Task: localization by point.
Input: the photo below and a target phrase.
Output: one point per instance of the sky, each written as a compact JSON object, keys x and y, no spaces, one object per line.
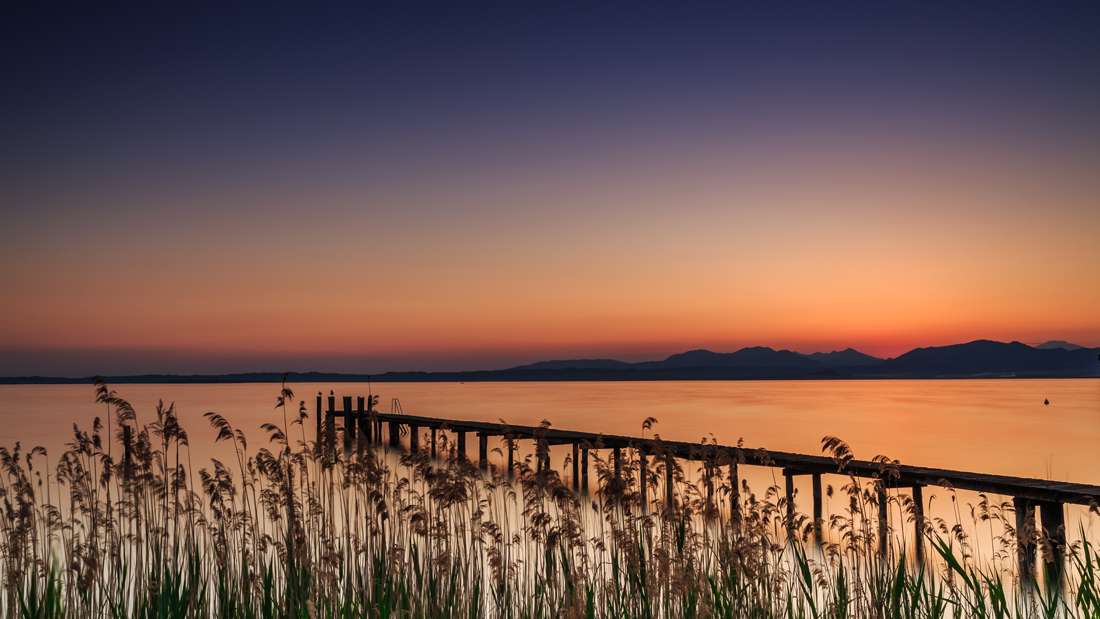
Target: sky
{"x":195,"y":188}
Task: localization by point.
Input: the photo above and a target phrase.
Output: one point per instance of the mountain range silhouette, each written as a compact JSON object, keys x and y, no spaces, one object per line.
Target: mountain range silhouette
{"x":977,"y":359}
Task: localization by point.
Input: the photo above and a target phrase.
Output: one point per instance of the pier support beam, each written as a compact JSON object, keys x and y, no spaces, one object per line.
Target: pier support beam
{"x":584,"y":470}
{"x":1053,"y":518}
{"x":643,"y":481}
{"x":483,"y":452}
{"x":349,"y":425}
{"x":414,"y":438}
{"x":735,"y":497}
{"x":461,"y":436}
{"x":818,"y":523}
{"x":708,"y":477}
{"x":670,"y":465}
{"x":433,"y":443}
{"x":882,"y":520}
{"x":363,"y":423}
{"x":1025,"y":538}
{"x":128,"y":458}
{"x":576,"y":467}
{"x":618,"y":455}
{"x":320,"y":419}
{"x":395,"y":434}
{"x":790,"y":500}
{"x":511,"y":457}
{"x":330,"y":424}
{"x":918,"y":523}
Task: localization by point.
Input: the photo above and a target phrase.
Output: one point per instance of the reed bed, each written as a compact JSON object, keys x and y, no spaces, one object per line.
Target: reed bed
{"x":291,"y":528}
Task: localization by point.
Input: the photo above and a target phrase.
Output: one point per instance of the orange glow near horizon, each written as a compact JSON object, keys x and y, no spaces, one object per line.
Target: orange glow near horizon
{"x":824,"y":269}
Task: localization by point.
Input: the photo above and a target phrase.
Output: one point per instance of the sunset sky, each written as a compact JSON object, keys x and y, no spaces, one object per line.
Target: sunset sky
{"x":204,"y":190}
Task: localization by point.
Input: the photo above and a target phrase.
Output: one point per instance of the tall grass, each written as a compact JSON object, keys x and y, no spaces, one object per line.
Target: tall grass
{"x":291,"y":528}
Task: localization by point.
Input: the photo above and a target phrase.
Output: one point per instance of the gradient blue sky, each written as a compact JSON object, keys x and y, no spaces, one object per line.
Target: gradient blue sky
{"x":196,"y":188}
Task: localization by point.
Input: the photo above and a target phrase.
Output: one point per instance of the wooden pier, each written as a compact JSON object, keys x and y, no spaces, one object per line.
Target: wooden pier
{"x":1031,"y":497}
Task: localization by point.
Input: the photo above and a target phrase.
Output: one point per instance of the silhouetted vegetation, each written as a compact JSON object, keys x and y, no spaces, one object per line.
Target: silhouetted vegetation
{"x":122,"y":525}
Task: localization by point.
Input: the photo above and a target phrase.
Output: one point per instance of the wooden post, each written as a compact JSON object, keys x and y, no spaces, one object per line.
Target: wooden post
{"x":709,"y":481}
{"x":790,"y":500}
{"x":1025,"y":539}
{"x":320,"y":418}
{"x":1053,"y":518}
{"x":670,"y":465}
{"x":539,"y":458}
{"x":395,"y":434}
{"x":918,"y":523}
{"x":362,"y":422}
{"x":618,"y":463}
{"x":584,"y":470}
{"x":128,"y":462}
{"x":461,"y":446}
{"x":643,"y":473}
{"x":349,"y":425}
{"x":414,"y":438}
{"x":882,"y":520}
{"x":330,"y":423}
{"x":576,"y":467}
{"x":511,"y":457}
{"x":735,"y":497}
{"x":818,"y":537}
{"x":483,"y":452}
{"x":433,"y":443}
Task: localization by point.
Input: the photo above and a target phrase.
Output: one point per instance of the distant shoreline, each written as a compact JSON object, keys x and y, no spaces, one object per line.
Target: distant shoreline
{"x":980,"y":359}
{"x":448,"y":377}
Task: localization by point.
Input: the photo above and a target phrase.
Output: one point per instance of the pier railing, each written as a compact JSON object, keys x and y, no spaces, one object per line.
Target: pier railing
{"x":1036,"y":502}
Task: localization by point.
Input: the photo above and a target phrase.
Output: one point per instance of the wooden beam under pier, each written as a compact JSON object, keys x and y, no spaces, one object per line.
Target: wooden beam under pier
{"x":483,"y":452}
{"x":362,"y":421}
{"x":735,"y":497}
{"x":349,"y":425}
{"x":1052,"y":516}
{"x":883,"y":522}
{"x":818,"y":523}
{"x":576,"y":467}
{"x":918,"y":523}
{"x":330,"y":423}
{"x":511,"y":457}
{"x":1025,"y":537}
{"x":584,"y":470}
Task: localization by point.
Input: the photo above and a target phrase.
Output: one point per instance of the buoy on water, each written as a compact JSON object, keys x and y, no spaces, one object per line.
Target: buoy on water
{"x":1046,"y":401}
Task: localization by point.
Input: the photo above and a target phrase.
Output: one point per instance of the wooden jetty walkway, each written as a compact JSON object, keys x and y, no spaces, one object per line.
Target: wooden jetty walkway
{"x":1034,"y":500}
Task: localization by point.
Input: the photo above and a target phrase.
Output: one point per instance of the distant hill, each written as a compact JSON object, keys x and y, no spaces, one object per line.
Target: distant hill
{"x":580,"y":364}
{"x":1058,"y":344}
{"x":755,"y":357}
{"x":977,"y":359}
{"x":985,"y":357}
{"x":848,"y":357}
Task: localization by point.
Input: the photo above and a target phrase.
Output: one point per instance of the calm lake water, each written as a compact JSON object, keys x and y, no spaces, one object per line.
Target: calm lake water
{"x":990,"y":426}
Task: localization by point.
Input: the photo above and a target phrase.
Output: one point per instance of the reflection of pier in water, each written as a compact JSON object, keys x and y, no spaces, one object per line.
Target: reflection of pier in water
{"x":1031,"y":498}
